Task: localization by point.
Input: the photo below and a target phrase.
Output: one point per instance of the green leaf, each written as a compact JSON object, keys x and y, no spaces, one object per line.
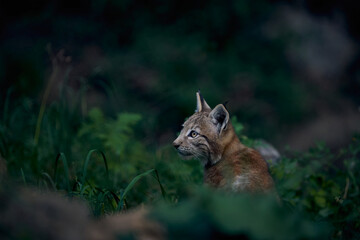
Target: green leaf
{"x":320,"y":201}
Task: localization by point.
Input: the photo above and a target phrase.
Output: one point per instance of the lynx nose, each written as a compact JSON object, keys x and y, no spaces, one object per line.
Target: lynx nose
{"x":176,"y":144}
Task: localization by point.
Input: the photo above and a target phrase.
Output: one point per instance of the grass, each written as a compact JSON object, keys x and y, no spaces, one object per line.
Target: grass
{"x":66,"y":169}
{"x":87,"y":160}
{"x":316,"y":187}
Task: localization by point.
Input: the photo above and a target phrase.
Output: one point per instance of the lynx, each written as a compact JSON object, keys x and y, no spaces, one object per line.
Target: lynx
{"x":209,"y":136}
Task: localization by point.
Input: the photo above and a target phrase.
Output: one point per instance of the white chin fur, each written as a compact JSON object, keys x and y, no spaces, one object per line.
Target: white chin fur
{"x":185,"y":155}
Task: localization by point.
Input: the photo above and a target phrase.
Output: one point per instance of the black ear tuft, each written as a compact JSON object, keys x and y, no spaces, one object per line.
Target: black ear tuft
{"x":201,"y":104}
{"x":225,"y":103}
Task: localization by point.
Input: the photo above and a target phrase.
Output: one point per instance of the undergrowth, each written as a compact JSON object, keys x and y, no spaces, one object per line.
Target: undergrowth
{"x":107,"y":162}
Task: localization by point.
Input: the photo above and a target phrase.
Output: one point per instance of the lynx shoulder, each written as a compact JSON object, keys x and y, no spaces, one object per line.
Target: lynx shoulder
{"x":209,"y":136}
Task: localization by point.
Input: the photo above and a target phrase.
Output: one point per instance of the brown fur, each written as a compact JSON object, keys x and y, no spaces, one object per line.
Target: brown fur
{"x":228,"y":164}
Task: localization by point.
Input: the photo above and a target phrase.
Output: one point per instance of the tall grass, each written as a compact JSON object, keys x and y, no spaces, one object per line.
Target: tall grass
{"x":104,"y":161}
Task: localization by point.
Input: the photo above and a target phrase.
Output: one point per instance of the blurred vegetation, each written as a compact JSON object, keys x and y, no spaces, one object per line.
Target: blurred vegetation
{"x":108,"y":121}
{"x":318,"y":189}
{"x":151,"y":58}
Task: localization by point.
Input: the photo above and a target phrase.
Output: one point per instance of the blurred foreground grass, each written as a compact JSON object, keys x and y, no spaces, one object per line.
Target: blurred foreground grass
{"x":108,"y":163}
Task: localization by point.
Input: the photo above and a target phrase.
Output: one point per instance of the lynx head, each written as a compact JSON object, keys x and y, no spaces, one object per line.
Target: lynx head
{"x":204,"y":133}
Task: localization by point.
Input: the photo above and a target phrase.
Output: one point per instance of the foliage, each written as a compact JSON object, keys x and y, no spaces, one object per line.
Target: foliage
{"x":210,"y":214}
{"x":99,"y":176}
{"x":324,"y":185}
{"x":318,"y":189}
{"x":97,"y":136}
{"x":320,"y":183}
{"x":117,"y":136}
{"x":154,"y":63}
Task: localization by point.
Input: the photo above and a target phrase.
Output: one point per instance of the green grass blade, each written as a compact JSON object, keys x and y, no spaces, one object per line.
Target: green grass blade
{"x":23,"y":176}
{"x":116,"y":198}
{"x":106,"y":195}
{"x":86,"y":163}
{"x":84,"y":189}
{"x":6,"y":105}
{"x":47,"y":176}
{"x":131,"y":185}
{"x":66,"y":169}
{"x":163,"y":193}
{"x":45,"y":185}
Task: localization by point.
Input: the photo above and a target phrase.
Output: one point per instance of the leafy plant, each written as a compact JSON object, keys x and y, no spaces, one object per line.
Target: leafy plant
{"x":116,"y":135}
{"x":324,"y":185}
{"x":319,"y":189}
{"x":210,"y":214}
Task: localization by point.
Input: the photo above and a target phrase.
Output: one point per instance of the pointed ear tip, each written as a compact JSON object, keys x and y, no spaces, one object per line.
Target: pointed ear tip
{"x":224,"y":106}
{"x":221,"y":106}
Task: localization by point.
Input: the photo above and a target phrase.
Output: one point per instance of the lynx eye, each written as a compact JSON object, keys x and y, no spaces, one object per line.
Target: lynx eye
{"x":193,"y":134}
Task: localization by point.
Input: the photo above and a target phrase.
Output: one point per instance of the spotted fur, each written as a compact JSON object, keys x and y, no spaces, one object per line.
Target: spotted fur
{"x":209,"y":136}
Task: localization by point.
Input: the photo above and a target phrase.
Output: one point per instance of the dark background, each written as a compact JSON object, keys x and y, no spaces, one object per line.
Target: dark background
{"x":92,"y":94}
{"x":290,"y":69}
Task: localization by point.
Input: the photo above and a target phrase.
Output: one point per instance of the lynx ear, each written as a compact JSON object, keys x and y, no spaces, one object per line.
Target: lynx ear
{"x":201,"y":103}
{"x":220,"y":117}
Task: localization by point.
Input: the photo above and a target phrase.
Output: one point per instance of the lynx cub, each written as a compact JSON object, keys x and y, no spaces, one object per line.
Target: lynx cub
{"x":209,"y":136}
